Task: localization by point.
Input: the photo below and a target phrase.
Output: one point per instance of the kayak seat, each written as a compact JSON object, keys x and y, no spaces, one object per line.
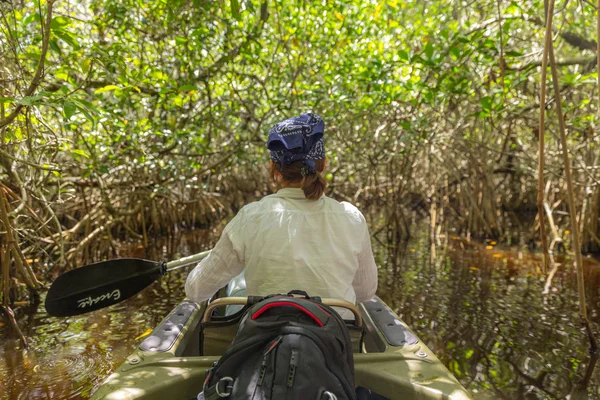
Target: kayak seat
{"x":217,"y":334}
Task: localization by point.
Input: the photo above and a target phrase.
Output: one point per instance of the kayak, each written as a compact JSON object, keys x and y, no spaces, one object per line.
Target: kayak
{"x":390,"y":360}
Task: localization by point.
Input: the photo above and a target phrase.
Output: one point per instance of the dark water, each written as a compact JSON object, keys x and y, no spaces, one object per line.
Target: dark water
{"x":479,"y":307}
{"x":69,"y":357}
{"x":482,"y":310}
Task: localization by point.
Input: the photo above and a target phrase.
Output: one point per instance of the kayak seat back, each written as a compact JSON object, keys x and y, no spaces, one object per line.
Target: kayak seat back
{"x":218,"y":331}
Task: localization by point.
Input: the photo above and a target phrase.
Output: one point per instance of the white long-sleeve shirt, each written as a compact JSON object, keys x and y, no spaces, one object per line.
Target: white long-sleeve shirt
{"x":287,"y":242}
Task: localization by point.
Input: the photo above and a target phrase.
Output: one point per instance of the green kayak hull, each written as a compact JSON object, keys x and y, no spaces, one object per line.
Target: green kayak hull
{"x":169,"y":363}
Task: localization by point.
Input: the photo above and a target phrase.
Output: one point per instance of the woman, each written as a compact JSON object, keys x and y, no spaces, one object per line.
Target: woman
{"x":297,"y":238}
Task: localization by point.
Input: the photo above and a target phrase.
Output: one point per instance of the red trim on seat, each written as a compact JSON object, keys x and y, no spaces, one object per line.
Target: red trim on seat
{"x":286,"y":304}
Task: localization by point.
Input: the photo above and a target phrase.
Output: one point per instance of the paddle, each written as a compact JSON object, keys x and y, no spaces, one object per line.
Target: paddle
{"x":103,"y":284}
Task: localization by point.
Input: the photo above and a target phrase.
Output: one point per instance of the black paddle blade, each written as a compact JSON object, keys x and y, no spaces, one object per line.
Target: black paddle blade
{"x":100,"y":285}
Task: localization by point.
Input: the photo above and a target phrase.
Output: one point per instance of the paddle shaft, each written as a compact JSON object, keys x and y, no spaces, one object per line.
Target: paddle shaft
{"x":185,"y":261}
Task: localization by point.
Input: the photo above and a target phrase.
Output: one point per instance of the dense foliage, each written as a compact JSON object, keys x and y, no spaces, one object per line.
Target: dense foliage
{"x":157,"y":111}
{"x":124,"y":119}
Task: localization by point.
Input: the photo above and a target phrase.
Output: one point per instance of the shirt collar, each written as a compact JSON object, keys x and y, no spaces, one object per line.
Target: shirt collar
{"x":291,"y":193}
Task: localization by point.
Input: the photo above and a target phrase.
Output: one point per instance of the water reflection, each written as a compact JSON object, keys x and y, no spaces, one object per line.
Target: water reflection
{"x":482,"y":311}
{"x":69,"y":357}
{"x":479,"y":307}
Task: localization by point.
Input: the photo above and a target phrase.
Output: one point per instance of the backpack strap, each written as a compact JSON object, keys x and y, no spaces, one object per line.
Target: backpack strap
{"x":328,"y":396}
{"x":300,"y":292}
{"x":306,"y":296}
{"x":252,"y":300}
{"x":220,"y":390}
{"x":313,"y":310}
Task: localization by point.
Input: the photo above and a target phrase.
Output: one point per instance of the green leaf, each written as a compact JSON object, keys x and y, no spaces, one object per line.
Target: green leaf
{"x":178,"y":101}
{"x":59,"y":22}
{"x":67,"y":38}
{"x":429,"y":50}
{"x":62,"y":75}
{"x":405,"y":125}
{"x":69,"y":109}
{"x":54,"y":45}
{"x":130,"y":88}
{"x":513,"y":8}
{"x":29,"y":19}
{"x":86,"y":104}
{"x":235,"y":9}
{"x":85,"y":64}
{"x":159,"y":75}
{"x":108,"y":88}
{"x":29,"y":100}
{"x":6,"y":100}
{"x":513,"y":53}
{"x":80,"y":152}
{"x":86,"y":113}
{"x":187,"y":88}
{"x":86,"y":108}
{"x":455,"y":368}
{"x":455,"y":51}
{"x":486,"y":103}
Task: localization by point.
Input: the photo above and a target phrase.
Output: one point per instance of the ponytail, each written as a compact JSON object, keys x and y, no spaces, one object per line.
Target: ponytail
{"x":313,"y":185}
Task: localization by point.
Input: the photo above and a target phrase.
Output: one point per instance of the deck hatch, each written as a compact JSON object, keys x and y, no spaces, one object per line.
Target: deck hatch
{"x":394,"y":330}
{"x":163,"y":337}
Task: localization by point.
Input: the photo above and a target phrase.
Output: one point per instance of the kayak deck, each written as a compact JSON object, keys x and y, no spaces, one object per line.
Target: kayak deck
{"x":170,"y":363}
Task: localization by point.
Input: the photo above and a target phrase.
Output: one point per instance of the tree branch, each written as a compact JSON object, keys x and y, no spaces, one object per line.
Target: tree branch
{"x":572,"y":205}
{"x":563,"y":63}
{"x":41,"y":167}
{"x":40,"y":68}
{"x":540,"y":192}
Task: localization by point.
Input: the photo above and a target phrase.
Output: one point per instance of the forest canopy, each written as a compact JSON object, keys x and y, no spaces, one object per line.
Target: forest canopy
{"x":123,"y":119}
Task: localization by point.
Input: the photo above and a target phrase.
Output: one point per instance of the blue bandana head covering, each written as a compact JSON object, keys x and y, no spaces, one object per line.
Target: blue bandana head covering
{"x":298,"y":139}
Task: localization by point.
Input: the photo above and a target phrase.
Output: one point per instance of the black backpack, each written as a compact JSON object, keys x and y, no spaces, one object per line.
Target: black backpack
{"x":285,"y":348}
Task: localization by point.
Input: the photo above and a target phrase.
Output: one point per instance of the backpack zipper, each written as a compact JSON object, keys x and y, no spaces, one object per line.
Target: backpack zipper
{"x":292,"y":369}
{"x":263,"y":366}
{"x":263,"y":371}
